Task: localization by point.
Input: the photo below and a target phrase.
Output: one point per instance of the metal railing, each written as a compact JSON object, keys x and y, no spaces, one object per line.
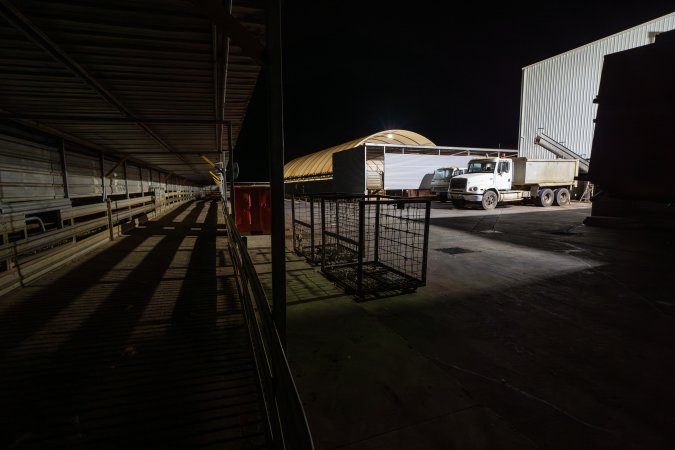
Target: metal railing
{"x":79,"y":230}
{"x":287,"y":423}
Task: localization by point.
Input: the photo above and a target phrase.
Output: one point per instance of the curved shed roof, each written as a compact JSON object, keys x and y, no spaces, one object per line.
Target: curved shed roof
{"x":321,"y":163}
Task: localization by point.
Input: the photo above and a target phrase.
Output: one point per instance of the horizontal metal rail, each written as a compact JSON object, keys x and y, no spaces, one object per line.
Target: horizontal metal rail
{"x":25,"y":259}
{"x":288,"y":427}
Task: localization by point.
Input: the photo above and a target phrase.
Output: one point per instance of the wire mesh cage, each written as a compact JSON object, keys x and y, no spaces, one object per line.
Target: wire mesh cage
{"x":306,"y":226}
{"x":374,"y":246}
{"x":306,"y":222}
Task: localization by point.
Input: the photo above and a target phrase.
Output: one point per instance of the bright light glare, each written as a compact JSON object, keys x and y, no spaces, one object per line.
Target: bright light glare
{"x":390,"y":136}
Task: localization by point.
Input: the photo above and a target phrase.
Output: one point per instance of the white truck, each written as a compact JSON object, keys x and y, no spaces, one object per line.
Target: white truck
{"x":440,"y":183}
{"x":489,"y":181}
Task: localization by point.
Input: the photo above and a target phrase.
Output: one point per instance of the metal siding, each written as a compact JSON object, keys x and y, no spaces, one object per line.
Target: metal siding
{"x":557,"y":93}
{"x":84,"y":175}
{"x":133,"y":179}
{"x":114,"y":183}
{"x":29,"y":171}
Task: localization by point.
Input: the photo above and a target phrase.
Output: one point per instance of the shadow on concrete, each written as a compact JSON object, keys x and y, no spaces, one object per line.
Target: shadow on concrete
{"x":569,"y":361}
{"x":30,"y":315}
{"x":163,"y":361}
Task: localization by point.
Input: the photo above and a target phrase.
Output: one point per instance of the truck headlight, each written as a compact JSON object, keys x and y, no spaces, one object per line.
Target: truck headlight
{"x":475,"y":188}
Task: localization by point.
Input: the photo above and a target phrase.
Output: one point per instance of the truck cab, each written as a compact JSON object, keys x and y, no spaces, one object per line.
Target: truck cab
{"x":492,"y":180}
{"x":440,"y":183}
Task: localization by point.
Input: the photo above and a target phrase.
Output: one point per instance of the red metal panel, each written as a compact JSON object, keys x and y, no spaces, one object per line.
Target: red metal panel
{"x":252,"y":209}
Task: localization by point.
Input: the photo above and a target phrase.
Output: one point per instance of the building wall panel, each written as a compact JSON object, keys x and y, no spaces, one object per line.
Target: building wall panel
{"x":29,"y":171}
{"x":557,"y":94}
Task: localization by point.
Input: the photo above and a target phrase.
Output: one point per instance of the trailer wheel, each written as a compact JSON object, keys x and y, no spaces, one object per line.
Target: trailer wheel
{"x":545,"y":198}
{"x":443,"y":197}
{"x":561,"y":197}
{"x":490,"y":200}
{"x":459,"y":203}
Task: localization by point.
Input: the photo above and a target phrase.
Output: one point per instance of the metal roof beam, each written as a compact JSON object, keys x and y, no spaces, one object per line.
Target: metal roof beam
{"x":104,"y":119}
{"x":35,"y":35}
{"x":241,"y":37}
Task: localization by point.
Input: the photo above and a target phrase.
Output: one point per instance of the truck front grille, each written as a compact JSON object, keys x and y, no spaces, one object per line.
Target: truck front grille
{"x":458,"y":183}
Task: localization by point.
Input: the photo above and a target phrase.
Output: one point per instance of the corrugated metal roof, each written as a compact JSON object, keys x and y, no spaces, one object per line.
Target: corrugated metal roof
{"x":159,"y":59}
{"x":320,"y":164}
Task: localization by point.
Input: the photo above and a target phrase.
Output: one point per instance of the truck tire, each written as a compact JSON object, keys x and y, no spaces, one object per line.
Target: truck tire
{"x":443,"y":197}
{"x":545,"y":198}
{"x":561,"y":197}
{"x":459,"y":203}
{"x":490,"y":199}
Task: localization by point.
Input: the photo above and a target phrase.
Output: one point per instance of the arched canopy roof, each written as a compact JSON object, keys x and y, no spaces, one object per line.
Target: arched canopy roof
{"x":321,"y":163}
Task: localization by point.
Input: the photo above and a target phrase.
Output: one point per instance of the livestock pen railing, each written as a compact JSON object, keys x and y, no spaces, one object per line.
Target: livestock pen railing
{"x":287,"y":423}
{"x":37,"y":236}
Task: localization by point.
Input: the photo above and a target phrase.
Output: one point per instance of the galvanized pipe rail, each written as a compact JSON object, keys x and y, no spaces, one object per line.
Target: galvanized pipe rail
{"x":82,"y":228}
{"x":288,"y":427}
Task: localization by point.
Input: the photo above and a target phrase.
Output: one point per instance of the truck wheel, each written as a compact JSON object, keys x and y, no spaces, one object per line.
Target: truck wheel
{"x":545,"y":198}
{"x":561,"y":197}
{"x":459,"y":203}
{"x":443,"y":197}
{"x":490,"y":200}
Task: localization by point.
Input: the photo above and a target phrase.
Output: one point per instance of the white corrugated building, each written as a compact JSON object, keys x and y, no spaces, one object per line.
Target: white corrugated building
{"x":557,"y":93}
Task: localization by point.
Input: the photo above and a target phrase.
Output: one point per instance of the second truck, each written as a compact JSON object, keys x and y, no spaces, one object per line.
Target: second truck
{"x":440,"y":183}
{"x":489,"y":181}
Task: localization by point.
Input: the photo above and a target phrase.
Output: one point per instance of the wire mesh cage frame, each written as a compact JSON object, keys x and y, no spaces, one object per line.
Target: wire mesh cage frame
{"x":353,"y":259}
{"x":310,"y":223}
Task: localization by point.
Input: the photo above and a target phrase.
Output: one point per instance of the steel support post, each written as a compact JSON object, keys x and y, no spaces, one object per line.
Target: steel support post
{"x":425,"y":250}
{"x":64,"y":170}
{"x":230,"y":163}
{"x":276,"y":151}
{"x":293,"y":239}
{"x":311,"y":226}
{"x":323,"y":234}
{"x":377,"y":229}
{"x":140,"y":178}
{"x":103,"y":193}
{"x":110,"y":220}
{"x":126,"y":180}
{"x":359,"y":265}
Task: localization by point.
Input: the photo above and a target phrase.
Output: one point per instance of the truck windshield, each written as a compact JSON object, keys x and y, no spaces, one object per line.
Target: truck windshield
{"x":481,"y":166}
{"x":441,"y":174}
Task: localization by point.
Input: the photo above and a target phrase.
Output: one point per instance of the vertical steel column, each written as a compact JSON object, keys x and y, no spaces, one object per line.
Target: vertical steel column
{"x":140,"y":178}
{"x":276,"y":150}
{"x":377,"y":229}
{"x":126,"y":179}
{"x":230,"y":163}
{"x":64,"y":169}
{"x":293,"y":224}
{"x":323,"y":233}
{"x":311,"y":226}
{"x":359,"y":266}
{"x":337,"y":222}
{"x":427,"y":215}
{"x":103,"y":194}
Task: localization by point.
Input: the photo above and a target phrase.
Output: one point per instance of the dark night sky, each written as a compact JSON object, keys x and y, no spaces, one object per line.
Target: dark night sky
{"x":352,"y":68}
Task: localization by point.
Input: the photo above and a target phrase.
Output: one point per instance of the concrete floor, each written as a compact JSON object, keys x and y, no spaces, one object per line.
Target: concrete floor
{"x":141,"y":344}
{"x":538,"y":332}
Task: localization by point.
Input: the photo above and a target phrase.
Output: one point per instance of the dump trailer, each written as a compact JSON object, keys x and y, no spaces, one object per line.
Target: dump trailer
{"x":440,"y":183}
{"x":489,"y":181}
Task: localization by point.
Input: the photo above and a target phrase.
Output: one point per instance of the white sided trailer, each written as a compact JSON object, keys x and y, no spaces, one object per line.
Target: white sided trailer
{"x":398,"y":169}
